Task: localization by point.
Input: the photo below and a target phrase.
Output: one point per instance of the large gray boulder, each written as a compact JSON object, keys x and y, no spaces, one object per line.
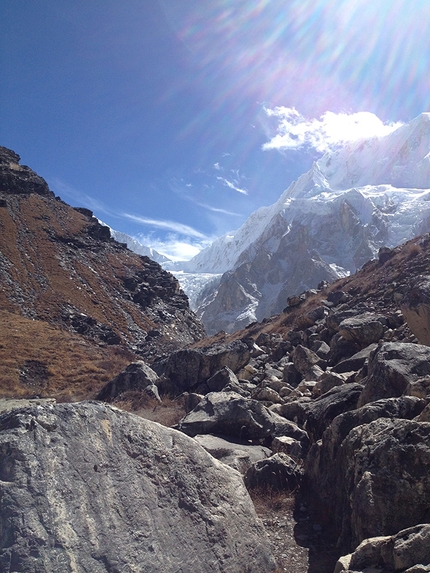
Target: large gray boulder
{"x":137,"y":377}
{"x":185,"y":369}
{"x":322,"y":410}
{"x":229,"y":414}
{"x":376,"y":481}
{"x":416,"y":309}
{"x":408,"y":550}
{"x":88,"y":488}
{"x":280,"y":472}
{"x":393,"y":366}
{"x":363,"y":329}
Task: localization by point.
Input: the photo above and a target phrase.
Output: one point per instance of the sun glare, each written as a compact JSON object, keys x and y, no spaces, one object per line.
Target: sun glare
{"x":320,"y":53}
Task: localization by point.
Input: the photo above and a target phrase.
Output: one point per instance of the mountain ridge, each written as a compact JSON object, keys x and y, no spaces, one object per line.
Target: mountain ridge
{"x":368,"y":194}
{"x":63,"y":275}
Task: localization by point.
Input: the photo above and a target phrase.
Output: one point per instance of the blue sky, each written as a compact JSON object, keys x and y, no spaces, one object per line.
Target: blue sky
{"x":174,"y":120}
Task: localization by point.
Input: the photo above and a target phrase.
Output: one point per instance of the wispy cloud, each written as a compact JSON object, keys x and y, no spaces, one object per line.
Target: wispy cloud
{"x":218,"y":210}
{"x":173,"y":226}
{"x":79,"y":198}
{"x":231,"y":185}
{"x":294,"y":131}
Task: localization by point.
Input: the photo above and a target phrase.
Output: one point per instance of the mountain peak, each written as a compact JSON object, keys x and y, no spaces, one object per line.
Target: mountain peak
{"x":16,"y":178}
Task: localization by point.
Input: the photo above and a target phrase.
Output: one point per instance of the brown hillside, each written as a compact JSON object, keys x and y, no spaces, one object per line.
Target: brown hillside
{"x":75,"y":304}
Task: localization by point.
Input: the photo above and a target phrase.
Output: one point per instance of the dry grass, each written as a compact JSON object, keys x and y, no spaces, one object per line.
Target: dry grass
{"x":267,"y":499}
{"x":38,"y":359}
{"x":168,"y":412}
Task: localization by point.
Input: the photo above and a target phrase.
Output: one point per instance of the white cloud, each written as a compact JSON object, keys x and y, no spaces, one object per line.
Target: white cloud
{"x":231,"y":185}
{"x":173,"y":247}
{"x":294,"y":131}
{"x":218,"y":210}
{"x":173,"y":226}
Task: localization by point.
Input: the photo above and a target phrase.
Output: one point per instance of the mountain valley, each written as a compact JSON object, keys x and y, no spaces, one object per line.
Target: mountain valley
{"x":131,"y":441}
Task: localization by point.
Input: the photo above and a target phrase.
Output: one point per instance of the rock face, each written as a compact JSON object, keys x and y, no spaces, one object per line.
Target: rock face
{"x":416,"y":309}
{"x":59,"y":265}
{"x":88,"y":488}
{"x":392,"y":367}
{"x":16,"y":178}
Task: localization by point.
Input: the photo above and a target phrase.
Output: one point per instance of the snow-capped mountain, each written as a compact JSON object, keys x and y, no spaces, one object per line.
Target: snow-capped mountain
{"x":328,"y":223}
{"x":137,"y":247}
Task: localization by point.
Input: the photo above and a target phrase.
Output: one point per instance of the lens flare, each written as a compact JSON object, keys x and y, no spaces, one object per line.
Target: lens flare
{"x":316,"y":55}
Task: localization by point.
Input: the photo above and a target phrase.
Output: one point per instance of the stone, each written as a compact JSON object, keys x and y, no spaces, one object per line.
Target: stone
{"x":291,"y":375}
{"x":229,"y":414}
{"x":326,"y":382}
{"x":287,"y":445}
{"x":87,"y":487}
{"x":267,"y":394}
{"x":136,"y":377}
{"x":321,"y":349}
{"x":225,"y":380}
{"x":376,"y":481}
{"x":277,"y":473}
{"x":303,"y":359}
{"x":356,"y":361}
{"x":322,"y":410}
{"x":408,"y":551}
{"x":415,"y":307}
{"x":371,"y":553}
{"x":393,"y":366}
{"x":238,"y":456}
{"x":185,"y":369}
{"x":363,"y":329}
{"x":295,"y":410}
{"x":341,"y":349}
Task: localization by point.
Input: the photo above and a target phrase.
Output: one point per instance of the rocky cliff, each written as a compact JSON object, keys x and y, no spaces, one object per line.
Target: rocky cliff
{"x":62,"y":273}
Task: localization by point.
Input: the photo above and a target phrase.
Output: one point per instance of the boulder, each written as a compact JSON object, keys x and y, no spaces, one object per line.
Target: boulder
{"x":291,"y":375}
{"x":295,"y":410}
{"x":393,"y":366}
{"x":86,"y":487}
{"x":322,"y":410}
{"x":363,"y":329}
{"x":376,"y":481}
{"x":185,"y":369}
{"x":229,"y":414}
{"x":415,"y":307}
{"x":408,"y":550}
{"x":289,"y":446}
{"x":238,"y":456}
{"x":326,"y":382}
{"x":303,"y":359}
{"x":356,"y":361}
{"x":277,"y":473}
{"x":137,"y":376}
{"x":267,"y":394}
{"x":223,"y":380}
